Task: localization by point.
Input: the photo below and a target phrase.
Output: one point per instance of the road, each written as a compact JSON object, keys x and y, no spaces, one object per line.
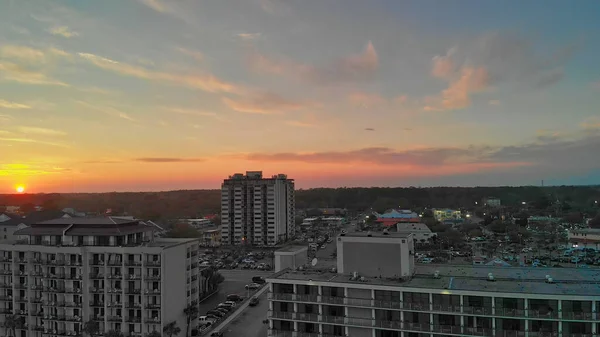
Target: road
{"x":235,"y":282}
{"x":250,"y":322}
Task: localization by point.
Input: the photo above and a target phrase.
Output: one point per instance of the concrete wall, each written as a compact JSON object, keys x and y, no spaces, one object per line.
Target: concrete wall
{"x":291,"y":259}
{"x":174,"y":291}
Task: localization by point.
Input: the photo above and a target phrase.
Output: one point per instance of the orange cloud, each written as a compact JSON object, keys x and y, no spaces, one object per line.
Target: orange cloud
{"x":458,"y":94}
{"x":353,"y":68}
{"x":265,"y":103}
{"x":444,"y":66}
{"x":207,"y":82}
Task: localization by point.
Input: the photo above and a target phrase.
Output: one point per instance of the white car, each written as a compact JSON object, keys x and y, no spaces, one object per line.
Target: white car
{"x":231,"y":303}
{"x":252,"y":286}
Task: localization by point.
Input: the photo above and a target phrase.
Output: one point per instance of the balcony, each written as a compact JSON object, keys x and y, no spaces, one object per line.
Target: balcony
{"x":133,"y":291}
{"x":115,"y":263}
{"x":132,"y":305}
{"x":152,"y":292}
{"x":73,"y":318}
{"x":98,"y":318}
{"x":21,"y":299}
{"x":73,"y":277}
{"x":5,"y":298}
{"x":54,"y":317}
{"x":133,"y":277}
{"x":97,"y":304}
{"x":2,"y":285}
{"x":477,"y":310}
{"x":96,"y":262}
{"x":5,"y":311}
{"x":115,"y":305}
{"x":36,"y":300}
{"x":54,"y":290}
{"x":115,"y":290}
{"x":133,"y":263}
{"x":72,"y":305}
{"x":152,"y":320}
{"x":510,"y":333}
{"x":153,"y":263}
{"x":152,"y":277}
{"x":115,"y":277}
{"x":6,"y":259}
{"x":37,"y":260}
{"x":152,"y":306}
{"x":74,"y":263}
{"x":115,"y":319}
{"x":54,"y":276}
{"x":73,"y":290}
{"x":6,"y":272}
{"x":133,"y":319}
{"x":96,"y":290}
{"x":96,"y":276}
{"x":55,"y":262}
{"x":53,"y":304}
{"x":578,"y":316}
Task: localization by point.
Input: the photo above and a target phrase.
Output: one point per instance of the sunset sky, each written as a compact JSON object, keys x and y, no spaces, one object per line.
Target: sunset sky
{"x":139,"y":95}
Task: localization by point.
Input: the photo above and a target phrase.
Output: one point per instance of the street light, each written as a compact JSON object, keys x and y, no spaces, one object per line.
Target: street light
{"x":523,"y":203}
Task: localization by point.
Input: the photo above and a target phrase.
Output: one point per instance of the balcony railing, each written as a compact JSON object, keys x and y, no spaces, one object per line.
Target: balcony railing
{"x":96,"y":262}
{"x":115,"y":263}
{"x":96,"y":304}
{"x":115,"y":318}
{"x":21,"y":285}
{"x":73,"y":304}
{"x":152,"y":292}
{"x":133,"y":277}
{"x":73,"y":290}
{"x":3,"y":285}
{"x":152,"y":320}
{"x":54,"y":289}
{"x":132,"y":305}
{"x":73,"y":277}
{"x":153,"y":263}
{"x":579,"y":316}
{"x":152,"y":277}
{"x":152,"y":306}
{"x":96,"y":290}
{"x":133,"y":263}
{"x":96,"y":275}
{"x":6,"y":259}
{"x":133,"y":319}
{"x":133,"y":291}
{"x":54,"y":276}
{"x":55,"y":262}
{"x":115,"y":276}
{"x":115,"y":305}
{"x":6,"y":272}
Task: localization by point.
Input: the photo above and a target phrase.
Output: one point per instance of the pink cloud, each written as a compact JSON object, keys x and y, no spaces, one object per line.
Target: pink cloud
{"x":265,"y":103}
{"x":444,"y":66}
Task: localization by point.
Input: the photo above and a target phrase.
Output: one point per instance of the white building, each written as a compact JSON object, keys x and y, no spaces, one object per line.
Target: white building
{"x":492,"y":202}
{"x":290,"y":257}
{"x":110,"y":270}
{"x":446,"y":214}
{"x":420,"y":231}
{"x":324,"y":220}
{"x":257,"y":210}
{"x":378,"y":293}
{"x":585,"y":238}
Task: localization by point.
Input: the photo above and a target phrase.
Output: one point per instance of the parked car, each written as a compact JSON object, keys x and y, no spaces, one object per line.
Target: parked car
{"x":217,"y":334}
{"x":231,"y":303}
{"x":253,"y":302}
{"x":252,"y":286}
{"x":225,"y":305}
{"x":234,"y":298}
{"x":223,"y":310}
{"x":205,"y":320}
{"x":215,"y":313}
{"x":259,"y":280}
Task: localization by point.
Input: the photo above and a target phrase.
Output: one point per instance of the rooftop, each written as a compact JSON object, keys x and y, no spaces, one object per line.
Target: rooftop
{"x":291,"y":249}
{"x":566,"y":281}
{"x":378,"y":234}
{"x":109,"y":220}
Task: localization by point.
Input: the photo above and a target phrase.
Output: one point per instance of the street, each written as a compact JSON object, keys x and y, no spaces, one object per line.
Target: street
{"x":235,"y":282}
{"x":250,"y":322}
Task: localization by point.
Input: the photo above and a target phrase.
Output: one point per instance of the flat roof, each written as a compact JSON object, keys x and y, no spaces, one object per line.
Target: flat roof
{"x":291,"y":249}
{"x":377,"y":234}
{"x":525,"y":280}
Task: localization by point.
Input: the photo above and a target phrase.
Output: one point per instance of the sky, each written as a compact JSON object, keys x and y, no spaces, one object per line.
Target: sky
{"x":143,"y":95}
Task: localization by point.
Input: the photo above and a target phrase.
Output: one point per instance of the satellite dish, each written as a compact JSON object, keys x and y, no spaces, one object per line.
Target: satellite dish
{"x":314,"y":262}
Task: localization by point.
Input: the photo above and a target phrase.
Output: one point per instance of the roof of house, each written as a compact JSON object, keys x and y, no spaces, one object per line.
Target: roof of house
{"x":394,"y":214}
{"x":40,"y":216}
{"x":12,"y":222}
{"x":86,"y":226}
{"x":108,"y":220}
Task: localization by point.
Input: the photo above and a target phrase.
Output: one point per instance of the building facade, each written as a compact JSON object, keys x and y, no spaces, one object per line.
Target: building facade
{"x":446,"y":214}
{"x":585,"y":238}
{"x":434,"y":300}
{"x":109,"y":270}
{"x":257,"y":210}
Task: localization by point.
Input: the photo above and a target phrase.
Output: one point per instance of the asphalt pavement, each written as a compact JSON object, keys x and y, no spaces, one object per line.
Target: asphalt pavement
{"x":235,"y":282}
{"x":249,"y":323}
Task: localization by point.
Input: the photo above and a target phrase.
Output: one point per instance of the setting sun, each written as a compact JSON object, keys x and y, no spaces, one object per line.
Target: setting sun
{"x":20,"y":189}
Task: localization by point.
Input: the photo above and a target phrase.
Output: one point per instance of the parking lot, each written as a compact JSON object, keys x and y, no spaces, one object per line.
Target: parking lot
{"x":250,"y":322}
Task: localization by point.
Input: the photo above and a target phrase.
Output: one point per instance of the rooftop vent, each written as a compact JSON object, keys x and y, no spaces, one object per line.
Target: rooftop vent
{"x":385,"y":232}
{"x":436,"y":274}
{"x":491,"y":277}
{"x":369,"y":233}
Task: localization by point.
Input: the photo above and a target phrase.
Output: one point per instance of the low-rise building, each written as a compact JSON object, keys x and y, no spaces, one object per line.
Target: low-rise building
{"x":392,"y":217}
{"x":377,"y":292}
{"x":421,"y":233}
{"x":491,"y":202}
{"x":211,"y":237}
{"x":585,"y":238}
{"x":322,"y":221}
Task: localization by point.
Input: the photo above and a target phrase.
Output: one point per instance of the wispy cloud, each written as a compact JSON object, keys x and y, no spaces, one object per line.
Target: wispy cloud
{"x":494,"y":102}
{"x":369,"y":129}
{"x":28,"y":170}
{"x":32,"y":55}
{"x":96,"y":90}
{"x":12,"y":105}
{"x":169,"y":160}
{"x":16,"y":73}
{"x":274,"y":7}
{"x":198,"y":56}
{"x":63,"y":31}
{"x":301,"y":124}
{"x":248,"y":36}
{"x":33,"y":141}
{"x":156,"y":5}
{"x":265,"y":103}
{"x":460,"y":88}
{"x":353,"y":68}
{"x":107,"y":110}
{"x":206,"y":82}
{"x":40,"y":131}
{"x":191,"y":112}
{"x":443,"y":65}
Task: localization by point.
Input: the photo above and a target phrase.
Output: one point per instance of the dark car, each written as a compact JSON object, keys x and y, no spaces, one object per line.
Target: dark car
{"x":215,"y":317}
{"x":234,"y":298}
{"x":253,"y":302}
{"x":217,"y":334}
{"x":215,"y":312}
{"x":259,"y":280}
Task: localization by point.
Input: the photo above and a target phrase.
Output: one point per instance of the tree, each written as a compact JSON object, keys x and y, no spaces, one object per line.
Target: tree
{"x":114,"y":333}
{"x":172,"y":329}
{"x":154,"y":334}
{"x":14,"y":322}
{"x":190,"y":312}
{"x":595,"y":222}
{"x":91,"y":328}
{"x":27,"y":208}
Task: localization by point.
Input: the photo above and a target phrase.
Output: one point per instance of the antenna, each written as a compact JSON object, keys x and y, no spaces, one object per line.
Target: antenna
{"x":314,"y":262}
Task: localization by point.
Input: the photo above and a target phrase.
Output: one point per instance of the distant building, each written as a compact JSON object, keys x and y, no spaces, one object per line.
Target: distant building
{"x":585,"y":238}
{"x":324,"y":221}
{"x":419,"y":230}
{"x":491,"y":202}
{"x":197,"y":223}
{"x":10,"y":223}
{"x":392,"y":217}
{"x":211,"y":237}
{"x":257,"y":210}
{"x":446,"y":214}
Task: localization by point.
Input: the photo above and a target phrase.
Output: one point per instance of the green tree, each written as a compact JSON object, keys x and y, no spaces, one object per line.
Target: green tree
{"x":114,"y":333}
{"x":190,"y":312}
{"x":27,"y":208}
{"x":172,"y":329}
{"x":91,"y":328}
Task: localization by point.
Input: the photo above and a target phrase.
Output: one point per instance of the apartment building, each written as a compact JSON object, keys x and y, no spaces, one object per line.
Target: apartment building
{"x":366,"y":299}
{"x":110,"y":270}
{"x":256,"y":210}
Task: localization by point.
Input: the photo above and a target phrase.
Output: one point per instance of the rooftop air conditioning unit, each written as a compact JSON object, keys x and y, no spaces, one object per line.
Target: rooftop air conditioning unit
{"x":436,"y":274}
{"x":491,"y":277}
